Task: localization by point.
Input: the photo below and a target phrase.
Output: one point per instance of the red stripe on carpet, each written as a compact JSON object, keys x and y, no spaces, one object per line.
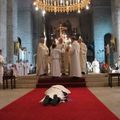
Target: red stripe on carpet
{"x":83,"y":105}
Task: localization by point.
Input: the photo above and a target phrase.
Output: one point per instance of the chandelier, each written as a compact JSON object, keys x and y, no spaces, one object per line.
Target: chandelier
{"x":61,"y":5}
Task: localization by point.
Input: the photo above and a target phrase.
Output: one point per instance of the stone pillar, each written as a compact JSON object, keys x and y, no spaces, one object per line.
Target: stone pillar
{"x":3,"y":27}
{"x":102,"y":24}
{"x":11,"y":28}
{"x":38,"y":29}
{"x":116,"y":22}
{"x":25,"y":26}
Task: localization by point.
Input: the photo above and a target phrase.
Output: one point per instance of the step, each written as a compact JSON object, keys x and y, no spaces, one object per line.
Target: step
{"x":64,"y":80}
{"x":92,"y":80}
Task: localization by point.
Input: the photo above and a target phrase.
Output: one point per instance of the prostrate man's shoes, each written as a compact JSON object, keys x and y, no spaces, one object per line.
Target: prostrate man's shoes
{"x":47,"y":100}
{"x":55,"y":100}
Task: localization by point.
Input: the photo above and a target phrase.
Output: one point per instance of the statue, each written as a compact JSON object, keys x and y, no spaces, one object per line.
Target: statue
{"x":110,"y":48}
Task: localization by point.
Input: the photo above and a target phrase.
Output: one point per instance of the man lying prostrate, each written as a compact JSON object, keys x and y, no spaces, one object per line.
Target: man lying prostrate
{"x":55,"y":94}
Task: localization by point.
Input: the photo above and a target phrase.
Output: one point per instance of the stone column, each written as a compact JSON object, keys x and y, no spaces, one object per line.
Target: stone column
{"x":11,"y":28}
{"x":38,"y":29}
{"x":3,"y":27}
{"x":25,"y":26}
{"x":102,"y":24}
{"x":116,"y":22}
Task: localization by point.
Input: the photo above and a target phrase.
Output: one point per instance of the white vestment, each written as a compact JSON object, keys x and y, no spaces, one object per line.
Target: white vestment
{"x":42,"y":59}
{"x":18,"y":68}
{"x":1,"y":69}
{"x":15,"y":71}
{"x":96,"y":66}
{"x":61,"y":46}
{"x":75,"y":69}
{"x":61,"y":87}
{"x":66,"y":56}
{"x":56,"y":90}
{"x":21,"y":69}
{"x":26,"y":68}
{"x":83,"y":56}
{"x":9,"y":65}
{"x":55,"y":62}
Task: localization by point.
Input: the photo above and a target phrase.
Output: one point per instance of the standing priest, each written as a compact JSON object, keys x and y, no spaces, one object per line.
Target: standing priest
{"x":42,"y":58}
{"x":83,"y":55}
{"x":75,"y":69}
{"x":1,"y":67}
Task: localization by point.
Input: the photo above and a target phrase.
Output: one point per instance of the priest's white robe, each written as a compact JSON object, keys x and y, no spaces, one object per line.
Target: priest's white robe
{"x":42,"y":58}
{"x":96,"y":66}
{"x":18,"y":68}
{"x":15,"y":71}
{"x":21,"y":69}
{"x":83,"y":57}
{"x":56,"y":90}
{"x":1,"y":68}
{"x":26,"y":68}
{"x":61,"y":46}
{"x":75,"y":69}
{"x":56,"y":62}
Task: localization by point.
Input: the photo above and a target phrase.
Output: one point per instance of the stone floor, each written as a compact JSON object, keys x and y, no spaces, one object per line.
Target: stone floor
{"x":109,"y":96}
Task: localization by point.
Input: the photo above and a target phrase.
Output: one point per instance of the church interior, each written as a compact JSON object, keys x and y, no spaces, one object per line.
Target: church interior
{"x":95,"y":87}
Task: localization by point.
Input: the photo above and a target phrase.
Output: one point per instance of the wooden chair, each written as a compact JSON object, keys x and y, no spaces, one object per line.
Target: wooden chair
{"x":110,"y":76}
{"x":8,"y":75}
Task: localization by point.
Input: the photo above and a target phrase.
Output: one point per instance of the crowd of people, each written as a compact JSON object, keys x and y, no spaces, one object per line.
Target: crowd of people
{"x":67,"y":56}
{"x":20,"y":68}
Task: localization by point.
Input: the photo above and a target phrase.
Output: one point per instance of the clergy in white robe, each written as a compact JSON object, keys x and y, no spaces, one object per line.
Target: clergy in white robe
{"x":60,"y":46}
{"x":15,"y":71}
{"x":1,"y":67}
{"x":55,"y":61}
{"x":42,"y":58}
{"x":26,"y":67}
{"x":75,"y":69}
{"x":21,"y":68}
{"x":66,"y":57}
{"x":83,"y":55}
{"x":18,"y":67}
{"x":58,"y":90}
{"x":96,"y":66}
{"x":9,"y":65}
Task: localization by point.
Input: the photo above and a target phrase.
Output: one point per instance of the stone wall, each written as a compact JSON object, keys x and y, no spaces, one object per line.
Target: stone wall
{"x":102,"y":24}
{"x":11,"y":29}
{"x":38,"y":29}
{"x":116,"y":22}
{"x":25,"y":26}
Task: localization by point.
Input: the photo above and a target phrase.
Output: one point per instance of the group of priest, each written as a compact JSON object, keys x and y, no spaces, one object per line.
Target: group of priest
{"x":66,"y":56}
{"x":20,"y":68}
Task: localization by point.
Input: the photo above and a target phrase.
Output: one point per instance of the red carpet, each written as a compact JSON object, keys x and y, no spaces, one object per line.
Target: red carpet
{"x":83,"y":105}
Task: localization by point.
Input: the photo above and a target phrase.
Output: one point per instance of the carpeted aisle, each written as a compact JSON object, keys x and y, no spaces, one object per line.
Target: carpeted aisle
{"x":83,"y":105}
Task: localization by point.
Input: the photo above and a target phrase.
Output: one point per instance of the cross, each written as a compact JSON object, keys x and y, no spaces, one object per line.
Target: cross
{"x":61,"y":29}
